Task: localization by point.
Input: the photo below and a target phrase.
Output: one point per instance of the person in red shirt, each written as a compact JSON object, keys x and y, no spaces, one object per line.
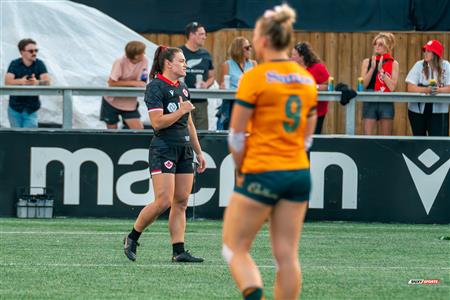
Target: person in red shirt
{"x":306,"y":57}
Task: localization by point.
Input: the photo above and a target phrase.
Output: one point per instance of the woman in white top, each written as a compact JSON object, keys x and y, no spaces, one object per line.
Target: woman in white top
{"x":429,"y":119}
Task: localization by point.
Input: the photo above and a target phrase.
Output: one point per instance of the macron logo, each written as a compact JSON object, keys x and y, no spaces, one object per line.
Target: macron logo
{"x":427,"y":185}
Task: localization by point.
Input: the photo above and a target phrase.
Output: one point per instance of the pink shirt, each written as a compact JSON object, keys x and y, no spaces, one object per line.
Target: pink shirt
{"x":124,"y":69}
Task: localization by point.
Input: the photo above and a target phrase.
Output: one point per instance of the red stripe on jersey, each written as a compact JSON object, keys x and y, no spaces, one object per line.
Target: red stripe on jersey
{"x":155,"y":109}
{"x":167,"y":80}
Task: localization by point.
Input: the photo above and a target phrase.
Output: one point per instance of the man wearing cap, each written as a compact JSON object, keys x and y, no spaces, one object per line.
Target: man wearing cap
{"x":199,"y":72}
{"x":431,"y":75}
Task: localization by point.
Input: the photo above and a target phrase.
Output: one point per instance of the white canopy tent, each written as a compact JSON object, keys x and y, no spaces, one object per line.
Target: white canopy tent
{"x":77,"y":43}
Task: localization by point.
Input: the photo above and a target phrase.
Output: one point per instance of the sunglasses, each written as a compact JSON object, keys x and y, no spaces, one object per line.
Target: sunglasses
{"x":32,"y":51}
{"x":248,"y":47}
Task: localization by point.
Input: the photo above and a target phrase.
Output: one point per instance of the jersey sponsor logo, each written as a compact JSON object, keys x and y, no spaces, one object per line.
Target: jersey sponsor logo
{"x":171,"y":92}
{"x":168,"y":164}
{"x":427,"y":185}
{"x":274,"y":77}
{"x":186,"y":93}
{"x":171,"y":107}
{"x":193,"y":62}
{"x":257,"y":189}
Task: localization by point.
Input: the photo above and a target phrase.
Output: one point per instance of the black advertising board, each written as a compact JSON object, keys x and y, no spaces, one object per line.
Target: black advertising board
{"x":105,"y":174}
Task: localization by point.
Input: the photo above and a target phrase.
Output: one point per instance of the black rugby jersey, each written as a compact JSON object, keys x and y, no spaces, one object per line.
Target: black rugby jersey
{"x":163,"y":94}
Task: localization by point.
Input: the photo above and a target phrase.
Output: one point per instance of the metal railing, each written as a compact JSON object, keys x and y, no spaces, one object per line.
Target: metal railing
{"x":67,"y":92}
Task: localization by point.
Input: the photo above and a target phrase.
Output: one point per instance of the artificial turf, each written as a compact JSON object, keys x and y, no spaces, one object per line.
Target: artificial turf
{"x":83,"y":259}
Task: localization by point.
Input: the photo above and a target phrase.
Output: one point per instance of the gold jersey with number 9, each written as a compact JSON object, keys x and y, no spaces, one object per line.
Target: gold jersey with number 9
{"x":283,"y":95}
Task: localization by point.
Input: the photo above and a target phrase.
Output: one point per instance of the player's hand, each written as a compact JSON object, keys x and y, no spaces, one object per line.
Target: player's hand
{"x":186,"y":106}
{"x":201,"y":163}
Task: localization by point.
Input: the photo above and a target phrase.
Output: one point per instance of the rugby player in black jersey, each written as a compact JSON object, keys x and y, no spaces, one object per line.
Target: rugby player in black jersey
{"x":171,"y":152}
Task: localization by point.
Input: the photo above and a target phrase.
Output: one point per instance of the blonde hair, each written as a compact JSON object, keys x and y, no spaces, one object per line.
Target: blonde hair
{"x":276,"y":24}
{"x":134,"y":48}
{"x":236,"y":49}
{"x":388,"y":40}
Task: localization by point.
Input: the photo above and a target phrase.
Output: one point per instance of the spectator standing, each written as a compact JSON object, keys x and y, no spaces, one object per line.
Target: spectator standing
{"x":239,"y":62}
{"x":26,"y":70}
{"x":130,"y":70}
{"x":306,"y":57}
{"x":380,"y":74}
{"x":429,"y":119}
{"x":199,"y":66}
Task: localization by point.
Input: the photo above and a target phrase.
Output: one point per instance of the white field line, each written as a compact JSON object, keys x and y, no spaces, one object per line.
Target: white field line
{"x":219,"y":233}
{"x":173,"y":265}
{"x":367,"y":226}
{"x":263,"y":233}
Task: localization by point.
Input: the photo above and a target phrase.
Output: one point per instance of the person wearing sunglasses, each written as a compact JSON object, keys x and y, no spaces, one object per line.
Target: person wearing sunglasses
{"x":238,"y":63}
{"x":26,"y":70}
{"x":380,"y":74}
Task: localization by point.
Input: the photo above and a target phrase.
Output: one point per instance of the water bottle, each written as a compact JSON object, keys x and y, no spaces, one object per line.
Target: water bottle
{"x":331,"y":84}
{"x":360,"y":86}
{"x":144,"y":75}
{"x":198,"y":81}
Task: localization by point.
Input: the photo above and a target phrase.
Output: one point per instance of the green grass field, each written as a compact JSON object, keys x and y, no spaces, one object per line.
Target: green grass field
{"x":83,"y":259}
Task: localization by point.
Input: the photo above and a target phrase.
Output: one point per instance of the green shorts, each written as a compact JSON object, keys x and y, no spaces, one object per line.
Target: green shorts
{"x":270,"y":187}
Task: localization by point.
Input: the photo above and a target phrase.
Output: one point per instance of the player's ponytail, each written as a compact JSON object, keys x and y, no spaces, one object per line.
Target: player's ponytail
{"x":162,"y":53}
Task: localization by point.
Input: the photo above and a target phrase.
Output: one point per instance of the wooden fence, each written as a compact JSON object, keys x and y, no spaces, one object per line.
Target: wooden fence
{"x":342,"y":53}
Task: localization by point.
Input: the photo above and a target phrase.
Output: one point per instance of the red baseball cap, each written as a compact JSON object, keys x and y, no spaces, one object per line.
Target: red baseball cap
{"x":434,"y":46}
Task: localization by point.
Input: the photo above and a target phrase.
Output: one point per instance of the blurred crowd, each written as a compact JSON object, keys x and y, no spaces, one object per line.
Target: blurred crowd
{"x":379,"y":73}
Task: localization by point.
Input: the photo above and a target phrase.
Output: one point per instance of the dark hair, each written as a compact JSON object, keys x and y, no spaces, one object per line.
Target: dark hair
{"x":162,"y":53}
{"x":25,"y":42}
{"x":134,"y":48}
{"x":276,"y":24}
{"x":192,"y":28}
{"x":309,"y":56}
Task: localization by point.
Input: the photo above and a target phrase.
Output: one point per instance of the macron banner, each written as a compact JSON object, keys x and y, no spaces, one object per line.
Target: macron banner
{"x":105,"y":174}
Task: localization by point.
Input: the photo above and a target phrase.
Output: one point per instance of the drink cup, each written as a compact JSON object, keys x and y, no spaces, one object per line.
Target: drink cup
{"x":198,"y":81}
{"x":226,"y":81}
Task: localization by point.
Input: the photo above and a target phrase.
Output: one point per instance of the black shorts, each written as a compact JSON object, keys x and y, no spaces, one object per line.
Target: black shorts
{"x":110,"y":115}
{"x":173,"y":159}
